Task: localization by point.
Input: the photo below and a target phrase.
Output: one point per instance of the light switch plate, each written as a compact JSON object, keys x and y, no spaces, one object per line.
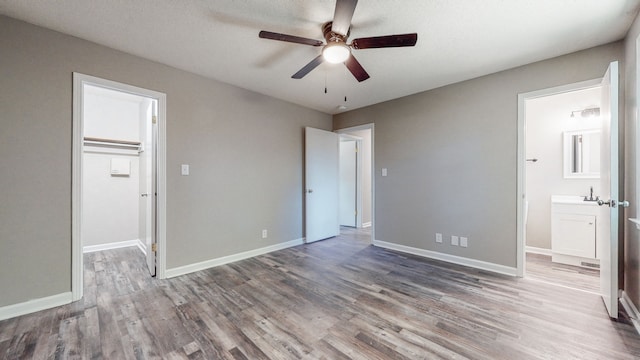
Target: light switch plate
{"x":184,"y":168}
{"x":438,"y":237}
{"x":384,"y":171}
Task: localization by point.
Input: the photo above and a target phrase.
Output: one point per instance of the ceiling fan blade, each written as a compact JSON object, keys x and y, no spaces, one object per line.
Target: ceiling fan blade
{"x":307,"y":68}
{"x":385,"y":41}
{"x":342,"y":16}
{"x":356,"y":69}
{"x":289,"y":38}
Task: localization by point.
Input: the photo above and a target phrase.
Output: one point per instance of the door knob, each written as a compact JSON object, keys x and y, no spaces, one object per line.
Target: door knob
{"x":310,"y":191}
{"x":144,"y":195}
{"x":614,"y":203}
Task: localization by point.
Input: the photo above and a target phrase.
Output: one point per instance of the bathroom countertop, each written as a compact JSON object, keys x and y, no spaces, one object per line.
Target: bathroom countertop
{"x":571,"y":199}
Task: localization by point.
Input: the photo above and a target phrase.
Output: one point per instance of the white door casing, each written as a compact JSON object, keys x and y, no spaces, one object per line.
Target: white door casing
{"x":79,"y":82}
{"x":148,"y":166}
{"x":321,"y":184}
{"x":521,"y":181}
{"x":348,"y":183}
{"x":370,"y":174}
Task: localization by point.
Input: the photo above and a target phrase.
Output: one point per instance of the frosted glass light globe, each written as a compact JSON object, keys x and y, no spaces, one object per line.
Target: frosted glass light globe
{"x":336,"y":53}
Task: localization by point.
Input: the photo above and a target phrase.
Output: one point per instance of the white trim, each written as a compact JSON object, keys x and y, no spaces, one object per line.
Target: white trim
{"x":142,"y":247}
{"x":76,"y":189}
{"x":533,"y":278}
{"x":478,"y":264}
{"x":366,"y":224}
{"x":31,"y":306}
{"x":631,"y":310}
{"x":636,"y":222}
{"x":186,"y":269}
{"x":79,"y":80}
{"x":634,"y":120}
{"x":537,"y":250}
{"x":521,"y":161}
{"x":358,"y":140}
{"x":113,"y":245}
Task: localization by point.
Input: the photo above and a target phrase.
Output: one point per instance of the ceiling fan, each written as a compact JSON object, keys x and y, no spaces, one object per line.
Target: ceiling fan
{"x":336,"y":50}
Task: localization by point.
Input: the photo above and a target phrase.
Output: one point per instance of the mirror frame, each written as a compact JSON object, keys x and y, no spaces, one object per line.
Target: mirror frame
{"x":568,"y":155}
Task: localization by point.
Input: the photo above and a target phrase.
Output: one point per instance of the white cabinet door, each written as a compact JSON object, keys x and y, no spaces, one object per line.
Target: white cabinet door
{"x":574,"y":234}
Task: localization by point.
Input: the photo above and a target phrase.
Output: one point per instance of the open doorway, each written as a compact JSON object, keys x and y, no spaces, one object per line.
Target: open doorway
{"x":118,"y":172}
{"x":357,"y":179}
{"x":562,"y":186}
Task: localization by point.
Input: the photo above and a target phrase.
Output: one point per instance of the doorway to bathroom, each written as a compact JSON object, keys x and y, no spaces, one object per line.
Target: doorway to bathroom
{"x":562,"y":185}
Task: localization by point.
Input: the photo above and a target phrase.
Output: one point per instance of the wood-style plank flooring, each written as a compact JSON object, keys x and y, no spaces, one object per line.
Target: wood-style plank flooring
{"x":336,"y":299}
{"x":540,"y":267}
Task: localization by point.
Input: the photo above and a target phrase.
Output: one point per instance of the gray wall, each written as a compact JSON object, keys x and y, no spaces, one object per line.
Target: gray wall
{"x":451,"y":156}
{"x":245,"y":152}
{"x":632,"y":236}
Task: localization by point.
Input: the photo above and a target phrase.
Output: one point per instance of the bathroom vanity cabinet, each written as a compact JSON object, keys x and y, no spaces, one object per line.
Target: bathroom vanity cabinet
{"x":575,"y":230}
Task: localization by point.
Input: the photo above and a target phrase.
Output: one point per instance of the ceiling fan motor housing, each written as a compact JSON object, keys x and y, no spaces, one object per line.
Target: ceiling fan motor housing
{"x":333,"y":37}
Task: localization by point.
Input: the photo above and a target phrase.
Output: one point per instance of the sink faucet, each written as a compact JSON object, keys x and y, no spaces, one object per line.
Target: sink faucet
{"x":590,"y":197}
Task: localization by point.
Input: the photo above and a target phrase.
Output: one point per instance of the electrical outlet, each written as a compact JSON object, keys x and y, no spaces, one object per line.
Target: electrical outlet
{"x":454,"y":240}
{"x":463,"y":241}
{"x":438,"y":237}
{"x":264,"y":234}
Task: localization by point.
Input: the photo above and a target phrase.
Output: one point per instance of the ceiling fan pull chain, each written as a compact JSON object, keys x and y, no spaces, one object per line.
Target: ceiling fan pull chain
{"x":325,"y":80}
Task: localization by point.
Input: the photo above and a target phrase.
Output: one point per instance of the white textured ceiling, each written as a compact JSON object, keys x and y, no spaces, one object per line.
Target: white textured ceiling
{"x":457,"y":39}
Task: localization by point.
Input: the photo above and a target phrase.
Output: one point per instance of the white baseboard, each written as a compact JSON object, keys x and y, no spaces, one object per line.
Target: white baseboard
{"x":366,"y":224}
{"x":182,"y":270}
{"x":113,"y":245}
{"x":632,"y":310}
{"x":31,"y":306}
{"x":537,"y":250}
{"x":142,"y":247}
{"x":478,"y":264}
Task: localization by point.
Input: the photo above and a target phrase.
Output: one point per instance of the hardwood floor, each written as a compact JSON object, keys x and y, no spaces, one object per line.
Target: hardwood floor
{"x":336,"y":299}
{"x":540,"y":267}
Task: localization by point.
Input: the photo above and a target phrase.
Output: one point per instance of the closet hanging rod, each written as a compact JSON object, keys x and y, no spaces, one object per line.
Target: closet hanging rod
{"x":111,"y":141}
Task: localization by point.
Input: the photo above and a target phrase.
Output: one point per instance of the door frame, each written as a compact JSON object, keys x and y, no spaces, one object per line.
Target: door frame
{"x":370,"y":126}
{"x":521,"y":159}
{"x":358,"y":184}
{"x":79,"y":80}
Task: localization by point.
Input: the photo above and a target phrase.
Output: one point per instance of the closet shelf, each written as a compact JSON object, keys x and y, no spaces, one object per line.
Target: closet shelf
{"x":112,"y":143}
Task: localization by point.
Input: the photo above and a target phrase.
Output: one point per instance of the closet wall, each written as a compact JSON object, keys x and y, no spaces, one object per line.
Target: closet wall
{"x":111,"y":201}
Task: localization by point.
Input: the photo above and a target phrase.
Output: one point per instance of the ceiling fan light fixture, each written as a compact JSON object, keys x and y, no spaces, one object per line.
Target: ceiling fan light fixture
{"x":336,"y":53}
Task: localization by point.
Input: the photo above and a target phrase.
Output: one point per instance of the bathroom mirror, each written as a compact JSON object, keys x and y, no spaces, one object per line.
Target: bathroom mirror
{"x":582,"y":154}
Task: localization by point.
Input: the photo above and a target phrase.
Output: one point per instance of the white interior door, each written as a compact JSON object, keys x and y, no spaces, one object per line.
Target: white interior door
{"x":321,"y":187}
{"x":608,"y":247}
{"x":348,"y":182}
{"x":148,"y":132}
